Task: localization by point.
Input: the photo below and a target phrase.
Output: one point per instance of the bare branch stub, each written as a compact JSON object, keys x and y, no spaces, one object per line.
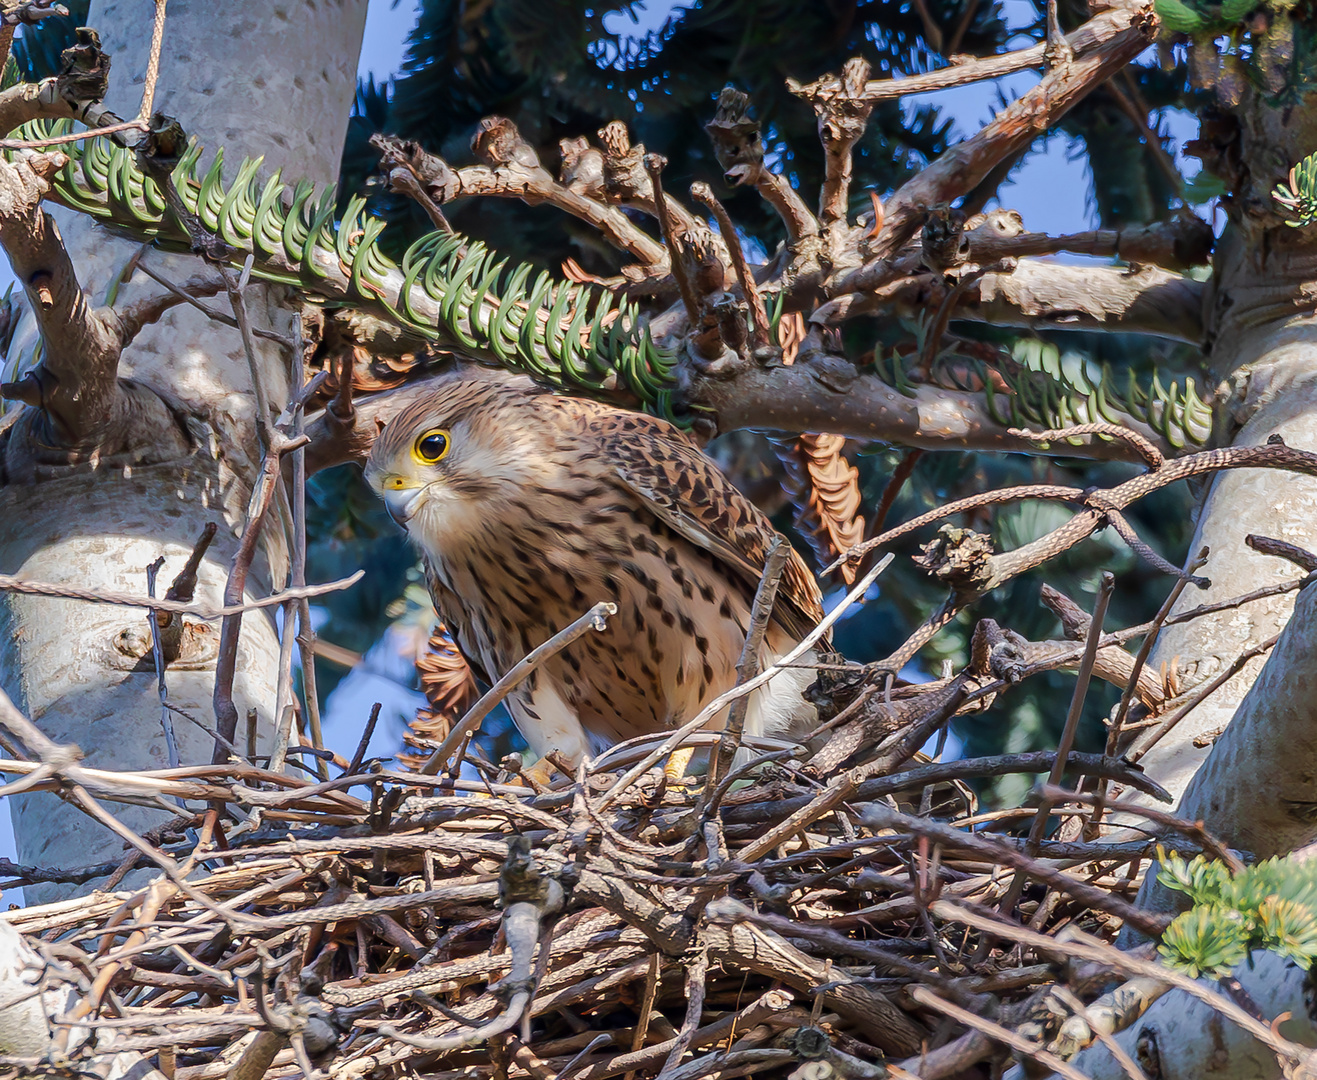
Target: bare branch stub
{"x":80,"y":409}
{"x":754,"y":300}
{"x":739,"y":147}
{"x":627,"y":182}
{"x":843,"y":110}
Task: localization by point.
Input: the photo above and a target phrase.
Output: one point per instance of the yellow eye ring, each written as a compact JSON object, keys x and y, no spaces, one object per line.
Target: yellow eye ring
{"x":431,"y":447}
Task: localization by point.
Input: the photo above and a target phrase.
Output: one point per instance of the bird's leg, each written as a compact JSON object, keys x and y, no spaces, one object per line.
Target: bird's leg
{"x":678,"y":762}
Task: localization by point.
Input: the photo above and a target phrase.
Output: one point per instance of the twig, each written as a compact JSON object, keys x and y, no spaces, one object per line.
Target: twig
{"x":1068,"y":733}
{"x":654,"y":167}
{"x":926,"y":997}
{"x":1194,"y":830}
{"x":1073,"y":944}
{"x":594,"y":619}
{"x":253,"y":368}
{"x":206,"y":288}
{"x":364,"y":742}
{"x":200,"y":611}
{"x":1145,"y":447}
{"x":226,"y":713}
{"x":703,"y":194}
{"x":879,"y":816}
{"x":306,"y":633}
{"x":158,"y":655}
{"x":747,"y":666}
{"x":1165,"y":163}
{"x":1141,"y":658}
{"x":697,"y":969}
{"x":892,"y":489}
{"x":1282,"y":549}
{"x":1151,"y":738}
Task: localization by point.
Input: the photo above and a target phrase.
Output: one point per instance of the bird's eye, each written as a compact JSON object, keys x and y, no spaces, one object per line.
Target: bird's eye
{"x":431,"y":447}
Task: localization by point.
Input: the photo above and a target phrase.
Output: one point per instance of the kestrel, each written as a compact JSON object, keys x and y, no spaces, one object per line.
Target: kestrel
{"x":530,"y":507}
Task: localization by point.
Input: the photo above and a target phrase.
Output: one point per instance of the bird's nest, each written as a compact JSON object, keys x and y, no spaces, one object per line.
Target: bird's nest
{"x":803,"y":923}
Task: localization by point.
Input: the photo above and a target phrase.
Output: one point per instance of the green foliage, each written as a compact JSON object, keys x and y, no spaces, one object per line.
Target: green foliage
{"x":1270,"y":905}
{"x":1198,"y":17}
{"x":1299,"y":195}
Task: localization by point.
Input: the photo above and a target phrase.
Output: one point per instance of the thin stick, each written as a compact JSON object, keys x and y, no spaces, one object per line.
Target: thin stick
{"x":1141,"y":658}
{"x":305,"y":631}
{"x":1146,"y":448}
{"x":879,"y":816}
{"x":697,"y":968}
{"x":1028,"y":1047}
{"x":894,"y":485}
{"x":158,"y":654}
{"x":1073,"y":944}
{"x":1192,"y":829}
{"x":210,"y":313}
{"x":685,"y":287}
{"x":1067,"y":742}
{"x":594,"y":619}
{"x":1150,"y":739}
{"x":364,"y":741}
{"x":702,"y":193}
{"x":253,"y":368}
{"x":200,"y":611}
{"x":646,"y":1008}
{"x":747,"y":667}
{"x":226,"y":713}
{"x":723,"y":700}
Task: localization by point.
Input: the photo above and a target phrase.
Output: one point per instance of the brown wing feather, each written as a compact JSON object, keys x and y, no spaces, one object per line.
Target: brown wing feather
{"x":454,"y":618}
{"x":686,"y":491}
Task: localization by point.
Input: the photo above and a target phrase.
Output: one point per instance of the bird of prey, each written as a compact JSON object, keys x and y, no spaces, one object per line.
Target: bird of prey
{"x":530,"y":507}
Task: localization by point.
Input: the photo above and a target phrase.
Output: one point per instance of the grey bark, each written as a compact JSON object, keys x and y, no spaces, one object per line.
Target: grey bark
{"x":1181,"y":1038}
{"x":1245,"y":761}
{"x":83,"y":672}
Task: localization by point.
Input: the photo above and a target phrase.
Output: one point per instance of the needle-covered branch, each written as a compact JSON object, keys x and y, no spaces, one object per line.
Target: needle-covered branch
{"x":822,"y":391}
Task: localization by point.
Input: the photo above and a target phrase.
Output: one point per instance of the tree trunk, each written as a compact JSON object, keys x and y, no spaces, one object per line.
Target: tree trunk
{"x":1248,"y":770}
{"x":273,"y":79}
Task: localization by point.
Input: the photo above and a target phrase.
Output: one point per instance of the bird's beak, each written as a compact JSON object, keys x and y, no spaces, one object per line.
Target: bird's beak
{"x":400,"y":502}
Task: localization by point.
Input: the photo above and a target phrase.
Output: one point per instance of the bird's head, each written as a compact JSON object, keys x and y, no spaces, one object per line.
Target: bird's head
{"x":449,"y":458}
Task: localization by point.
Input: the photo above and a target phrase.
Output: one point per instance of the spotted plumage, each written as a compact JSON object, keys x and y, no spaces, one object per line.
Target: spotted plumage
{"x":530,"y":507}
